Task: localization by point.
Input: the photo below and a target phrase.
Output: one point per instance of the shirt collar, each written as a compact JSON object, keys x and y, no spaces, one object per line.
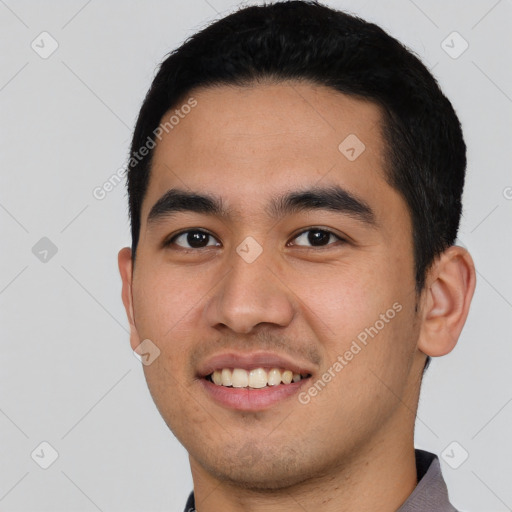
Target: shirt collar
{"x":430,"y":493}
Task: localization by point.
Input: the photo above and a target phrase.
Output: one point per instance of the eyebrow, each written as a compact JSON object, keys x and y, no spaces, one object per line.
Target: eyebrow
{"x":331,"y":198}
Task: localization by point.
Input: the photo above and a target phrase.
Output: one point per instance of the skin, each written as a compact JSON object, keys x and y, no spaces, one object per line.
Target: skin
{"x":351,"y":447}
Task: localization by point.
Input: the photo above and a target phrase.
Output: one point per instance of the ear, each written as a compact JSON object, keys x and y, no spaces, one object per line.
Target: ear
{"x":446,"y":298}
{"x":125,"y":263}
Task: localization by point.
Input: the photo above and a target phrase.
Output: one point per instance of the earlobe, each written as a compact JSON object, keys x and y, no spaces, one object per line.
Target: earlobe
{"x":448,"y":293}
{"x":125,"y":263}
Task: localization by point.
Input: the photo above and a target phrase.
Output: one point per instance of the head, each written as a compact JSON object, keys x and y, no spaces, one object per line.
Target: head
{"x":348,"y":128}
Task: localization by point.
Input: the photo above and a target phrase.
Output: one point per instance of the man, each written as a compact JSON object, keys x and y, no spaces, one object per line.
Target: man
{"x":295,"y":192}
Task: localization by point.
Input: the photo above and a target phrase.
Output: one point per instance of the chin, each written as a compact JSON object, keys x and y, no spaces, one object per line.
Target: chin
{"x":250,"y":469}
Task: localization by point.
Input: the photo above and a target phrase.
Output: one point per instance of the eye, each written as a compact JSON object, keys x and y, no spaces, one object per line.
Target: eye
{"x":195,"y":238}
{"x":199,"y":239}
{"x":317,"y":237}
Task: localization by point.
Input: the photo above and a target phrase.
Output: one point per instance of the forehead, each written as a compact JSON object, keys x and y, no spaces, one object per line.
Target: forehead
{"x":247,"y":143}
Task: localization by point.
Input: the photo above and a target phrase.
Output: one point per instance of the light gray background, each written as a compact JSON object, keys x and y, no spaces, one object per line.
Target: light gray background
{"x":68,"y":376}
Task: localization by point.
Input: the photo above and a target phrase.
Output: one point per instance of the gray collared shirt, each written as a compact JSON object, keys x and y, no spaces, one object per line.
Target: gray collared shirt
{"x":430,"y":495}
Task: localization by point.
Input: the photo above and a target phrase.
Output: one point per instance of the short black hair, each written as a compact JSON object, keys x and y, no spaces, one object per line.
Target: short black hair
{"x":309,"y":42}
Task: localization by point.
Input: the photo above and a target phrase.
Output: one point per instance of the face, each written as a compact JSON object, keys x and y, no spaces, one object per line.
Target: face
{"x":319,"y":283}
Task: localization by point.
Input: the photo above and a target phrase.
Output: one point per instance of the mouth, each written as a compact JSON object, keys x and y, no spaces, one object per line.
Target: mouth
{"x":258,"y":378}
{"x":252,"y":382}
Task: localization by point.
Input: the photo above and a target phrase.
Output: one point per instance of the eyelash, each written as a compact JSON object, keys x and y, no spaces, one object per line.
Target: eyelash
{"x":171,"y":241}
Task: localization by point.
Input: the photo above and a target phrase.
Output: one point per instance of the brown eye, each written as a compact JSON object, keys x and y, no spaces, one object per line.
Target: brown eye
{"x":316,"y":237}
{"x":192,"y":239}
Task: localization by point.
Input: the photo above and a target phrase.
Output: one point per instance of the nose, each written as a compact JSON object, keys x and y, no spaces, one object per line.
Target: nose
{"x":251,"y":293}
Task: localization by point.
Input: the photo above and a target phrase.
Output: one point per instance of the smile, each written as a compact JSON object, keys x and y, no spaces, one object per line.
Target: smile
{"x":257,"y":378}
{"x":252,"y":381}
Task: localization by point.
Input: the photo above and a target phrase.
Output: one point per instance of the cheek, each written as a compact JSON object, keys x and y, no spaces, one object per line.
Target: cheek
{"x":166,"y":304}
{"x":362,"y":312}
{"x":165,"y":301}
{"x":343,"y":300}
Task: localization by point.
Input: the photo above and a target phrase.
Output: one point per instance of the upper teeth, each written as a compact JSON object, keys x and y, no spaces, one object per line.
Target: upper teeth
{"x":257,"y":378}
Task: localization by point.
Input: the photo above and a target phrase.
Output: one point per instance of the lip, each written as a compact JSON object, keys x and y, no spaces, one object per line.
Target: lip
{"x":251,"y":361}
{"x":248,"y":399}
